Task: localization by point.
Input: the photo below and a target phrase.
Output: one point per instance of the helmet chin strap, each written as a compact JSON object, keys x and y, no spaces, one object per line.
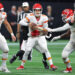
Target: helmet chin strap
{"x":37,"y":15}
{"x":68,"y":19}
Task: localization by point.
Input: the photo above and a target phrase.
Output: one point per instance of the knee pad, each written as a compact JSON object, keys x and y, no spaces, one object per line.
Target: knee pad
{"x":44,"y":50}
{"x":64,"y":54}
{"x":27,"y":53}
{"x":28,"y":49}
{"x":6,"y":50}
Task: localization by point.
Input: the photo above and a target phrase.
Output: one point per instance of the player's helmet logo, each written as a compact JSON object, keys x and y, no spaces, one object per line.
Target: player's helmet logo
{"x":37,"y":9}
{"x":1,"y":7}
{"x":66,"y":14}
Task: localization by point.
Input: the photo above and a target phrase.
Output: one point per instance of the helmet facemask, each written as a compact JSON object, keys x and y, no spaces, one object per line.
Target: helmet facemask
{"x":37,"y":12}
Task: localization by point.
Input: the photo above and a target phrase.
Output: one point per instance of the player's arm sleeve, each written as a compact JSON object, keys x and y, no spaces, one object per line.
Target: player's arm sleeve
{"x":45,"y":23}
{"x":63,"y":28}
{"x":4,"y":15}
{"x":25,"y":21}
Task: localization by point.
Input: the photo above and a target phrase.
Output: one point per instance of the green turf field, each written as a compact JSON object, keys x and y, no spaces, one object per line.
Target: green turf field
{"x":35,"y":67}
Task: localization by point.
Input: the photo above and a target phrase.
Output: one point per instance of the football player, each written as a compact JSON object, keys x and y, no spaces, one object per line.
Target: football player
{"x":37,"y":23}
{"x":3,"y":43}
{"x":22,"y":31}
{"x":68,"y":18}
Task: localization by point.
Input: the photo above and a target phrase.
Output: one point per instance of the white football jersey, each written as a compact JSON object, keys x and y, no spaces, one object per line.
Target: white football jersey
{"x":72,"y":28}
{"x":3,"y":15}
{"x":42,"y":22}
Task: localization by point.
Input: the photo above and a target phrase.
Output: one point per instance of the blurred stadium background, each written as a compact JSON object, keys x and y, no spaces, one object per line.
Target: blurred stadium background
{"x":36,"y":67}
{"x":56,"y":5}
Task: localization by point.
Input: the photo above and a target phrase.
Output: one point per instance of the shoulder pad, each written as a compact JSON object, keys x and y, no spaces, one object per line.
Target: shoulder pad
{"x":31,"y":14}
{"x":4,"y":14}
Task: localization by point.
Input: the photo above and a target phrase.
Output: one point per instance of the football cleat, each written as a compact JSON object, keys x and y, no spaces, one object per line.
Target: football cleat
{"x":45,"y":64}
{"x":13,"y":59}
{"x":20,"y":67}
{"x":68,"y":70}
{"x":4,"y":69}
{"x":53,"y":68}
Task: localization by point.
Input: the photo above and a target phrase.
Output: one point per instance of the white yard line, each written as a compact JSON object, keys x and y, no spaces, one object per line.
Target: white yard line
{"x":16,"y":44}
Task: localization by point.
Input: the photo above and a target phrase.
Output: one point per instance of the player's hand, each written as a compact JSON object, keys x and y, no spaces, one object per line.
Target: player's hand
{"x":55,"y":38}
{"x":44,"y":31}
{"x":33,"y":26}
{"x":18,"y":36}
{"x":13,"y":38}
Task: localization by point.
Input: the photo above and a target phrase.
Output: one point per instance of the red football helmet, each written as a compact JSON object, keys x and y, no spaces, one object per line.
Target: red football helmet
{"x":66,"y":14}
{"x":1,"y":7}
{"x":37,"y":9}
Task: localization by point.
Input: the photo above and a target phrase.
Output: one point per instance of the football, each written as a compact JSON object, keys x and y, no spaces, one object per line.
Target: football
{"x":33,"y":26}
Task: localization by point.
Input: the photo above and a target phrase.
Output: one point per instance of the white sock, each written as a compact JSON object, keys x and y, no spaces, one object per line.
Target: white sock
{"x":50,"y":61}
{"x":68,"y":65}
{"x":67,"y":61}
{"x":48,"y":56}
{"x":22,"y":63}
{"x":25,"y":56}
{"x":4,"y":58}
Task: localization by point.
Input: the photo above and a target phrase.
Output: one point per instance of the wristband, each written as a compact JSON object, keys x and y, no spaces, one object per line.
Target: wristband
{"x":12,"y":34}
